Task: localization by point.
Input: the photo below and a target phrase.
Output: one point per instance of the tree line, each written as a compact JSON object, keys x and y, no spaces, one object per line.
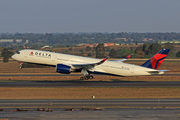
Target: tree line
{"x":72,"y":38}
{"x":146,"y":50}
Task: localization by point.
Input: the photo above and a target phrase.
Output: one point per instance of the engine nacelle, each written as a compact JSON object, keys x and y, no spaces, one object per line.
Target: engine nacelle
{"x":61,"y":68}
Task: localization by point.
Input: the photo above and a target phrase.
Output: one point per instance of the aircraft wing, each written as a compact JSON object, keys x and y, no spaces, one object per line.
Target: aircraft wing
{"x":121,"y":60}
{"x":88,"y":66}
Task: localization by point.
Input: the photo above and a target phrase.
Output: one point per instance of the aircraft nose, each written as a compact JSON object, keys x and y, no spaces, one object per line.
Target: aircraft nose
{"x":13,"y":56}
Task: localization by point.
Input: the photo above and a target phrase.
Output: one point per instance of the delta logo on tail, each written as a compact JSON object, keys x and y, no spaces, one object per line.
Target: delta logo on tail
{"x":156,"y":60}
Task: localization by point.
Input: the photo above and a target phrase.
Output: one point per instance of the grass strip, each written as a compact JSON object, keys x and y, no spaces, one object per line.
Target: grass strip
{"x":88,"y":92}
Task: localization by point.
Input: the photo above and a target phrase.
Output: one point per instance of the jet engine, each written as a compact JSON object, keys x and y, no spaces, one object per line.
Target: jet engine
{"x":61,"y":68}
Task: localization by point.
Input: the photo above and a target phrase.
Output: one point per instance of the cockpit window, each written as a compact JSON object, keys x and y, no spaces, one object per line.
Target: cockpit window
{"x":18,"y":52}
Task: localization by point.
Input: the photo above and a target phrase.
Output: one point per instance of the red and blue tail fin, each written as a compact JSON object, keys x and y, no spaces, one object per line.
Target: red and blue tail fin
{"x":157,"y":59}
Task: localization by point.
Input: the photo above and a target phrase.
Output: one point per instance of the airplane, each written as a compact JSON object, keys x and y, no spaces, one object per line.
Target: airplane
{"x":66,"y":63}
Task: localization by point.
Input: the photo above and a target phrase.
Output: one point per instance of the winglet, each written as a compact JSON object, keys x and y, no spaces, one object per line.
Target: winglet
{"x":102,"y":61}
{"x":129,"y":56}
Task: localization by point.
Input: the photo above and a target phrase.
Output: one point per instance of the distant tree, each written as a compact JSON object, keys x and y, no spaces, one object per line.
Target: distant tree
{"x":88,"y":48}
{"x":94,"y":49}
{"x":125,"y":55}
{"x":89,"y":55}
{"x":131,"y":50}
{"x":113,"y":53}
{"x":100,"y":50}
{"x":154,"y":48}
{"x":70,"y":49}
{"x":136,"y":43}
{"x":6,"y":54}
{"x":107,"y":49}
{"x":145,"y":47}
{"x":82,"y":51}
{"x":140,"y":54}
{"x":178,"y":54}
{"x":169,"y":46}
{"x":149,"y":49}
{"x":139,"y":48}
{"x":5,"y":59}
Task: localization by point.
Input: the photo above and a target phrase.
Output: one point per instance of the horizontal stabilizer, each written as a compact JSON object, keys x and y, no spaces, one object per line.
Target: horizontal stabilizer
{"x":157,"y":71}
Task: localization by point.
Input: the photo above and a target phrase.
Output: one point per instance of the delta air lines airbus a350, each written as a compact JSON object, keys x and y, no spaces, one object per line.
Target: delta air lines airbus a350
{"x":66,"y":64}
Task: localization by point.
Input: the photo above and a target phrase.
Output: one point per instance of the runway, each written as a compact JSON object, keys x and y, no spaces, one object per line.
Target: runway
{"x":57,"y":74}
{"x":108,"y":103}
{"x":83,"y":83}
{"x":107,"y":114}
{"x":79,"y":83}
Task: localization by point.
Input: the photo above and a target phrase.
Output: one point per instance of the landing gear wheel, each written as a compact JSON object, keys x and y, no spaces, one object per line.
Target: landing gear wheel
{"x":91,"y":77}
{"x":87,"y":77}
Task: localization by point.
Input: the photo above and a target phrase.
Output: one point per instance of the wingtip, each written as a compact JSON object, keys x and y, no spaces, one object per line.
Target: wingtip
{"x":104,"y":59}
{"x":129,"y":56}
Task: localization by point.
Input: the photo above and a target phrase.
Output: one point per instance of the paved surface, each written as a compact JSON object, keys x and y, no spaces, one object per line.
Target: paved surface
{"x":56,"y":74}
{"x":79,"y":83}
{"x":107,"y":114}
{"x":61,"y":103}
{"x":31,"y":74}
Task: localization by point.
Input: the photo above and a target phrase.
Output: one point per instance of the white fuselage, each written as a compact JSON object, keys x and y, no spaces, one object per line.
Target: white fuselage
{"x":108,"y":67}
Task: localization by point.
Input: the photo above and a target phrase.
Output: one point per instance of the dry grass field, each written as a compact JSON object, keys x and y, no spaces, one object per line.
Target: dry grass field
{"x":13,"y":67}
{"x":87,"y":93}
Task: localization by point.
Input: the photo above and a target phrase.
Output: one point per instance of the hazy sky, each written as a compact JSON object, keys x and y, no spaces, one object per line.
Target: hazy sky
{"x":60,"y":16}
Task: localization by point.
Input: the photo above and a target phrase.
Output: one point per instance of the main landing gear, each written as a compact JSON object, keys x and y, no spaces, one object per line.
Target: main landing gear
{"x":86,"y":77}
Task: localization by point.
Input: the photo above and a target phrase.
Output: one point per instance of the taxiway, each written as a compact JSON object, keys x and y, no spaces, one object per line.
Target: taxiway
{"x":80,"y":83}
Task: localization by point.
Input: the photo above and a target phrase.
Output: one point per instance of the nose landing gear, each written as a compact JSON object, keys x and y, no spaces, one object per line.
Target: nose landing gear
{"x":20,"y":65}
